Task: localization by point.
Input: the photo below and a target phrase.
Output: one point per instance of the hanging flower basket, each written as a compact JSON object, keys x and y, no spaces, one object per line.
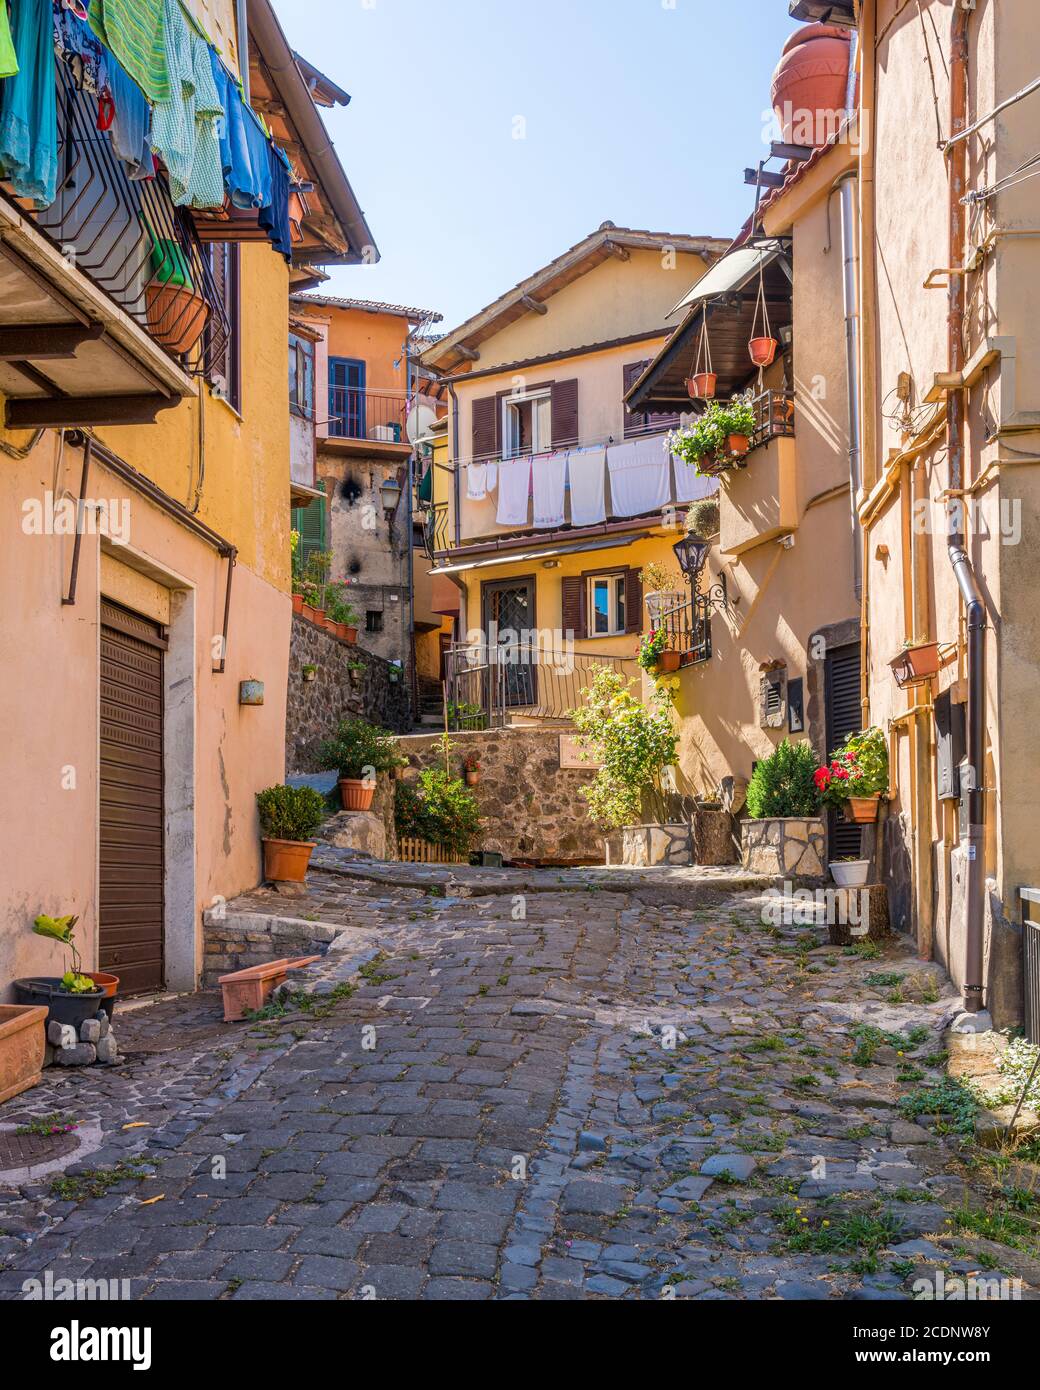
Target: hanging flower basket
{"x":915,"y":664}
{"x":762,"y":351}
{"x":701,"y":386}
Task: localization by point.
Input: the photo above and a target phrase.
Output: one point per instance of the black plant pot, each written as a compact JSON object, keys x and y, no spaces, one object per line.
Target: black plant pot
{"x":74,"y":1009}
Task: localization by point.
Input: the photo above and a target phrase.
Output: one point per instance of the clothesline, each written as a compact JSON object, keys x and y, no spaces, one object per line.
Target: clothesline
{"x":605,"y":442}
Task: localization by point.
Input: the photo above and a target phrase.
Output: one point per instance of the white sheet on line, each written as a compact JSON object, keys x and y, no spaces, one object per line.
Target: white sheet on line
{"x":640,"y":476}
{"x":514,"y":491}
{"x":549,"y":472}
{"x":689,"y":485}
{"x":587,"y":469}
{"x":481,"y":478}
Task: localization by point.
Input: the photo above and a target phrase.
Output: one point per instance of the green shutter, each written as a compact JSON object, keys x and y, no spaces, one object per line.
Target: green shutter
{"x":310,"y":522}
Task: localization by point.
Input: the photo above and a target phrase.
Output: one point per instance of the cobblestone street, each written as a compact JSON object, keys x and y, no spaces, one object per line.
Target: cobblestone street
{"x":560,"y":1091}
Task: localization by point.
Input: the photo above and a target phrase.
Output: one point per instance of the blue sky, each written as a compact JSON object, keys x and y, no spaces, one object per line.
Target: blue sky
{"x":641,"y":111}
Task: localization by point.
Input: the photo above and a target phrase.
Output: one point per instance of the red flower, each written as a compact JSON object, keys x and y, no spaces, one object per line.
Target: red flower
{"x":822,"y":778}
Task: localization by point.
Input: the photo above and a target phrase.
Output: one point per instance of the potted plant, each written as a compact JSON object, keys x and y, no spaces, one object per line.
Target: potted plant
{"x":918,"y":661}
{"x":471,"y":766}
{"x":850,"y":872}
{"x":23,"y":1038}
{"x":355,"y":671}
{"x":736,"y":425}
{"x":309,"y":671}
{"x":856,"y":776}
{"x":296,"y":570}
{"x":438,"y":811}
{"x":177,"y":312}
{"x":289,"y":816}
{"x":655,"y":653}
{"x":702,"y":518}
{"x":700,"y":443}
{"x":359,"y":751}
{"x":661,"y":588}
{"x":70,"y":998}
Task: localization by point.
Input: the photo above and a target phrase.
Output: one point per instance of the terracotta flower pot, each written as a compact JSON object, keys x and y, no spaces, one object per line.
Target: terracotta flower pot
{"x":863,"y":810}
{"x":472,"y":779}
{"x":701,"y":386}
{"x":710,"y":465}
{"x":23,"y":1037}
{"x":177,"y":316}
{"x":306,"y":611}
{"x":809,"y":83}
{"x":285,"y":861}
{"x":915,"y":665}
{"x":349,"y":634}
{"x":297,"y":603}
{"x":738,"y":443}
{"x":668,"y":661}
{"x":108,"y":983}
{"x":357,"y":795}
{"x":762,"y":351}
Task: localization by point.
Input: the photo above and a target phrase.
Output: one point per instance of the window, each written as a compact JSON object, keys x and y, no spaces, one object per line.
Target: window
{"x":606,"y":605}
{"x":301,"y":376}
{"x":310,"y":522}
{"x":225,"y":356}
{"x":526,"y":424}
{"x":374,"y":620}
{"x":347,"y":398}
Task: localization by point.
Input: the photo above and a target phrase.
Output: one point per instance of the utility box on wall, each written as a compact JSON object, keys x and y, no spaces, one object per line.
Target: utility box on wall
{"x":949,"y":746}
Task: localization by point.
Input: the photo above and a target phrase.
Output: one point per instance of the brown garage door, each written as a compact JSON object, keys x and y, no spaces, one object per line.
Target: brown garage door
{"x":131,"y":898}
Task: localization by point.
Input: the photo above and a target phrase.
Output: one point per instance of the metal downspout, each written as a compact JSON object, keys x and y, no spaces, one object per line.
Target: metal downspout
{"x":847,"y":186}
{"x":958,"y":556}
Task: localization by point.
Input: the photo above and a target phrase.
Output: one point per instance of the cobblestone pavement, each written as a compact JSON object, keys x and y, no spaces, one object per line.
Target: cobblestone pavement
{"x":573,"y":1092}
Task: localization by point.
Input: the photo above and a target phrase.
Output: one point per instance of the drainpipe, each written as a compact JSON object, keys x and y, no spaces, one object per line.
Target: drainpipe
{"x":850,"y":266}
{"x":959,"y":560}
{"x":455,"y":461}
{"x":242,"y":24}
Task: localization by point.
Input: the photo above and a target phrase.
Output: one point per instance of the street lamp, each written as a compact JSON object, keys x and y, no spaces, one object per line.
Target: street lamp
{"x":390,"y":496}
{"x":691,"y":554}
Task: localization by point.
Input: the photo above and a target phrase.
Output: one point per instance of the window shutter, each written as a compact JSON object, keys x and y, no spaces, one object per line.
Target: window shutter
{"x":641,"y":421}
{"x":564,"y":413}
{"x":310,"y":522}
{"x":574,"y":607}
{"x":485,"y":433}
{"x":633,"y":601}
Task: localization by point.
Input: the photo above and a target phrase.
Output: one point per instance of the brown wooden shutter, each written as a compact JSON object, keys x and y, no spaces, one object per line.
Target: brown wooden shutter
{"x":574,"y":607}
{"x":641,"y":421}
{"x":484,"y":431}
{"x":564,"y":413}
{"x":633,"y":601}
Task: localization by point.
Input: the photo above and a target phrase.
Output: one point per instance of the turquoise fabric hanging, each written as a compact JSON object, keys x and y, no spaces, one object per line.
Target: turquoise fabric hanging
{"x":28,"y":110}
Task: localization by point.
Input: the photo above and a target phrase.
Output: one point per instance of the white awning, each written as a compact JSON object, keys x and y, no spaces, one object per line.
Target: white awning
{"x":730,"y":274}
{"x":546,"y":553}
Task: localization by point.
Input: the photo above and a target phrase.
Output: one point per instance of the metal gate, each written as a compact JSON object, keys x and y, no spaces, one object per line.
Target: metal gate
{"x":844,"y":716}
{"x":131,"y":810}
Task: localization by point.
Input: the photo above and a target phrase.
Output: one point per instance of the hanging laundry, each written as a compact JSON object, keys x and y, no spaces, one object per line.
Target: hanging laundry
{"x":514,"y":491}
{"x":131,"y":128}
{"x":587,"y":471}
{"x":243,"y":145}
{"x":184,"y":126}
{"x":274,"y":218}
{"x":28,"y":109}
{"x":8,"y":57}
{"x":550,"y":476}
{"x":640,"y":476}
{"x":79,"y":47}
{"x":135,"y":31}
{"x":476,"y":482}
{"x":689,"y":485}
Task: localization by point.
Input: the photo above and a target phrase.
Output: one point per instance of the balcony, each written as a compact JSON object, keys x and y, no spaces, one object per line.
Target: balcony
{"x":758,"y":500}
{"x":688,"y":626}
{"x":435,"y":530}
{"x":488,"y":687}
{"x":367,"y":423}
{"x":108,"y":300}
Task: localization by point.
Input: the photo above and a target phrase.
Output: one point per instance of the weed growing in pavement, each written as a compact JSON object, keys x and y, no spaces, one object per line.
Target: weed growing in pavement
{"x":95,"y":1182}
{"x":951,"y":1103}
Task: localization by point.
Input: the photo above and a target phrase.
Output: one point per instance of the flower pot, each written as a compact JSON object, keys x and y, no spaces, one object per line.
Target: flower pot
{"x":357,"y":795}
{"x":915,"y":665}
{"x":852,"y":874}
{"x":285,"y":861}
{"x":710,"y":465}
{"x":662,"y":601}
{"x":701,"y":386}
{"x":330,"y":624}
{"x":23,"y":1036}
{"x":45,"y":990}
{"x":738,"y":443}
{"x":667,"y":661}
{"x":762,"y":351}
{"x":472,"y":779}
{"x":863,"y":810}
{"x":349,"y":634}
{"x":177,"y":316}
{"x":109,"y":984}
{"x":245,"y":991}
{"x":310,"y":676}
{"x":297,"y":603}
{"x":306,"y":611}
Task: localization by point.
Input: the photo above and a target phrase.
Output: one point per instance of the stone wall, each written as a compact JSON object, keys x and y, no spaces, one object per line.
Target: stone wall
{"x":349,"y":681}
{"x":788,"y":847}
{"x":532,"y":808}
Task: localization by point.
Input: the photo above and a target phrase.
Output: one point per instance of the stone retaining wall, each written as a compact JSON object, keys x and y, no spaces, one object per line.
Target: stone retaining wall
{"x":236,"y":941}
{"x":533,"y":810}
{"x":349,"y":681}
{"x":790,"y":847}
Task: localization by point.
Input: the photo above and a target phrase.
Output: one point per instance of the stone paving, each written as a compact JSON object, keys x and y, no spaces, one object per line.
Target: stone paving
{"x":558,"y":1091}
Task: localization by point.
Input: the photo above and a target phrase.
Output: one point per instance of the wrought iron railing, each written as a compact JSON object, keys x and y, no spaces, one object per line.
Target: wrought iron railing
{"x":485,"y":685}
{"x":688,"y":626}
{"x":774,"y":416}
{"x":435,"y":530}
{"x":127,"y":236}
{"x":378,"y":416}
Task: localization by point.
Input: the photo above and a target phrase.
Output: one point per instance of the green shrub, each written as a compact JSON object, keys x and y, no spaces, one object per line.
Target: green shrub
{"x":290,"y":813}
{"x":359,"y":749}
{"x":633,"y":742}
{"x":783,"y":784}
{"x":441,"y":809}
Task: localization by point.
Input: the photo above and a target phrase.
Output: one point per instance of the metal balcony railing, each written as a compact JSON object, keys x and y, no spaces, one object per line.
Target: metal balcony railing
{"x":688,"y":626}
{"x":485,"y":686}
{"x":774,"y":417}
{"x":378,"y":416}
{"x":128,"y":237}
{"x":435,"y":530}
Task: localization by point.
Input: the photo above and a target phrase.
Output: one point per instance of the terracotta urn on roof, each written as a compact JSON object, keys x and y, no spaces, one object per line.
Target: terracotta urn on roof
{"x":810,"y":82}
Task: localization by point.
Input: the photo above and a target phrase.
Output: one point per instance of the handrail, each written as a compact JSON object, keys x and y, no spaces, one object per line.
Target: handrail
{"x":486,"y":684}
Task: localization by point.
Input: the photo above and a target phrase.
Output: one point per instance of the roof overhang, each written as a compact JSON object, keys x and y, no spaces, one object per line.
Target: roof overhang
{"x":824,"y":11}
{"x":726,"y":299}
{"x":545,"y":552}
